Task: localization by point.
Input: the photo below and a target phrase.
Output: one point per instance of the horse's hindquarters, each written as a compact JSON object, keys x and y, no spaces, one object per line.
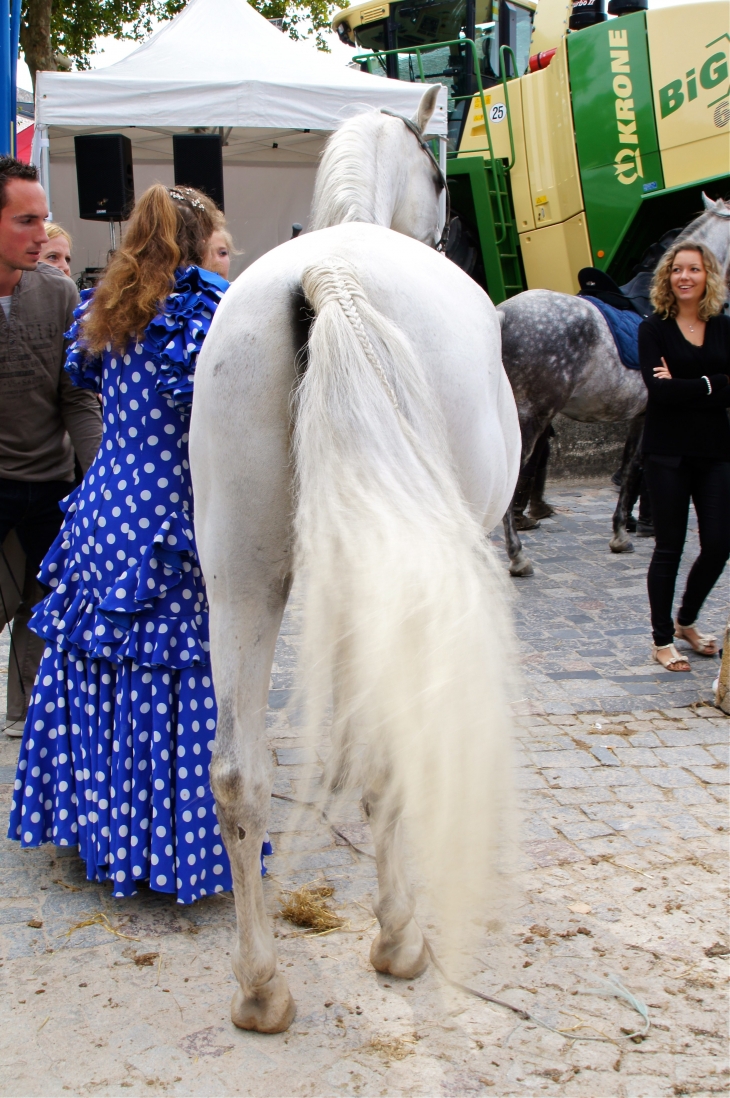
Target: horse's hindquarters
{"x":240,"y":448}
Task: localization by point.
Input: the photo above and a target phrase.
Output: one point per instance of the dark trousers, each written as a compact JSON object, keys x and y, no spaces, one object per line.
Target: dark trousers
{"x":30,"y":518}
{"x":672,"y":484}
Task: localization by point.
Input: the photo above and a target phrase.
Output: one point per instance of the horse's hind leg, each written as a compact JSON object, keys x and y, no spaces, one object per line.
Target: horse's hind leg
{"x":244,"y":632}
{"x":400,"y":948}
{"x":631,"y":471}
{"x":520,"y":565}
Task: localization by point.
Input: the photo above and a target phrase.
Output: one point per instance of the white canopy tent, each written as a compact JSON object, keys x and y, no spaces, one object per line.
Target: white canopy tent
{"x":218,"y":65}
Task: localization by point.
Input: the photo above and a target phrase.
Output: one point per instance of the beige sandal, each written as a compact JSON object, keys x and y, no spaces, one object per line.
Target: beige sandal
{"x":702,"y":642}
{"x":674,"y":658}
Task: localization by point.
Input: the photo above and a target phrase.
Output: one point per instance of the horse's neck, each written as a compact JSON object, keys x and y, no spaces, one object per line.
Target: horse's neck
{"x":357,"y":182}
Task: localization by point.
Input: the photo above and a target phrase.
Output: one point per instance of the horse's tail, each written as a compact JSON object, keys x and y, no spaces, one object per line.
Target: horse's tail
{"x":405,"y":617}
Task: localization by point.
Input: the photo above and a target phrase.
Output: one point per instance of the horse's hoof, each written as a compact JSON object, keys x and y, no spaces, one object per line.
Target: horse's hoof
{"x":405,"y":955}
{"x":521,"y":567}
{"x":619,"y":544}
{"x":270,"y":1010}
{"x":541,"y":509}
{"x":525,"y":522}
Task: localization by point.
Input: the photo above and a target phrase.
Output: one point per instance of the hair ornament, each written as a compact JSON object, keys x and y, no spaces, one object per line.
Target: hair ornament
{"x":180,"y":196}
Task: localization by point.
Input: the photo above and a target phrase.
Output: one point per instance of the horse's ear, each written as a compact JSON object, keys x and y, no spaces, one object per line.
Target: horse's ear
{"x":720,"y":208}
{"x":427,"y":106}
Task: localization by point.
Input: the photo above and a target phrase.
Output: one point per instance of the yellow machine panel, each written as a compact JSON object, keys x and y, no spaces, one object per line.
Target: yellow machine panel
{"x":551,"y":24}
{"x":689,"y":54}
{"x":552,"y":256}
{"x":474,"y":140}
{"x":552,"y":163}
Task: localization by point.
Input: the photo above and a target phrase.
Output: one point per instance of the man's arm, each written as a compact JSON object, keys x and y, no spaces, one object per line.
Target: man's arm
{"x":80,"y":409}
{"x":81,"y":416}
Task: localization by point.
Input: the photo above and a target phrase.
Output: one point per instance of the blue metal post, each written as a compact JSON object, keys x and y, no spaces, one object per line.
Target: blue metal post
{"x":14,"y":46}
{"x":4,"y":77}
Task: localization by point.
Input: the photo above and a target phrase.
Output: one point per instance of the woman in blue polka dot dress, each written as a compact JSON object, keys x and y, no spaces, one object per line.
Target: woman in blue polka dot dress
{"x":118,"y":738}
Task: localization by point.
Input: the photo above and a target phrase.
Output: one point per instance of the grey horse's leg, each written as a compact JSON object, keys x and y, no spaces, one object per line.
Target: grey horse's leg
{"x":399,"y":949}
{"x":631,"y":471}
{"x":539,"y":507}
{"x":519,"y":564}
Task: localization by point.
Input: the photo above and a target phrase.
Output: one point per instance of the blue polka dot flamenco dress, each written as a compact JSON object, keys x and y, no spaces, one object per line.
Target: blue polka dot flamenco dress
{"x":117,"y":741}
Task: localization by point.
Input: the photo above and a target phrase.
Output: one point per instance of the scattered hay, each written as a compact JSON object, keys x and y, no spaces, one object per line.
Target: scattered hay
{"x":68,"y":887}
{"x":306,"y":906}
{"x":393,"y":1048}
{"x":98,"y":919}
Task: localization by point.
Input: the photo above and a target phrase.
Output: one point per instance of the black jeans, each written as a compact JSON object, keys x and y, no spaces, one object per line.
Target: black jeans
{"x":30,"y":518}
{"x":672,"y":483}
{"x":31,"y":509}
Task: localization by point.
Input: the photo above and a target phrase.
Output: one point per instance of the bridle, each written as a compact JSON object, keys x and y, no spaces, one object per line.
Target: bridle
{"x":411,"y":125}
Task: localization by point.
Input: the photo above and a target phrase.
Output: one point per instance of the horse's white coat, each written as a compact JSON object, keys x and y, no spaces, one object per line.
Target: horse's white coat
{"x":405,"y":611}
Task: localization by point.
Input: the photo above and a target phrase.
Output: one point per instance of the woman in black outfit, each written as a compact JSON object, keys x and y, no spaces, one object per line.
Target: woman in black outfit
{"x":684,"y":350}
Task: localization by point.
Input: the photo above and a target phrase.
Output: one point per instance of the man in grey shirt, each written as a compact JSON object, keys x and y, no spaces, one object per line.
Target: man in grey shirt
{"x":43,"y":417}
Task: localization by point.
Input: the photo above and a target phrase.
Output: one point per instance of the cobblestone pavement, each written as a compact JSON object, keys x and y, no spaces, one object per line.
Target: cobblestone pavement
{"x":623,"y":871}
{"x":583,"y":619}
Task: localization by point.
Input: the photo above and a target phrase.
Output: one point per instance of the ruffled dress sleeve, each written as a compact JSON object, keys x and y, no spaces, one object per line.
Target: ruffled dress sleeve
{"x":176,"y":335}
{"x":84,"y":367}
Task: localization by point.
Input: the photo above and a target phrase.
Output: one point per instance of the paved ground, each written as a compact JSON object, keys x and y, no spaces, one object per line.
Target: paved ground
{"x":623,"y":871}
{"x":583,"y":619}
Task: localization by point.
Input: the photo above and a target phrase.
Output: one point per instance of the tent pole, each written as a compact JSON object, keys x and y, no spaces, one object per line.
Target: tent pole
{"x":5,"y":81}
{"x":442,"y":166}
{"x":41,"y":159}
{"x":14,"y":46}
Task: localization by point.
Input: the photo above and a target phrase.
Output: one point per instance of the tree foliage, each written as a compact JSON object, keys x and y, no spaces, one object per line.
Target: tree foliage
{"x":61,"y":33}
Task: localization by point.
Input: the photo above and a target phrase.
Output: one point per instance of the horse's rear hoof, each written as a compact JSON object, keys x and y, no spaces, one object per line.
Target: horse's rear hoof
{"x":620,"y":544}
{"x":522,"y":566}
{"x":270,"y":1009}
{"x":526,"y":522}
{"x":405,"y":955}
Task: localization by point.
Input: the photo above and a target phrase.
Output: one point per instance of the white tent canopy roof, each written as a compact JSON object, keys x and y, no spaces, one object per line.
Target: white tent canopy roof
{"x":220,"y":63}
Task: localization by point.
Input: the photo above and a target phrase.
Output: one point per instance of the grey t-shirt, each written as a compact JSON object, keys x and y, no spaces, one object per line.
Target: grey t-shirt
{"x":6,"y":302}
{"x":39,"y":406}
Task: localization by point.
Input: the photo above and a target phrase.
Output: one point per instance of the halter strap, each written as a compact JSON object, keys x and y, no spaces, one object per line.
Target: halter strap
{"x":412,"y":126}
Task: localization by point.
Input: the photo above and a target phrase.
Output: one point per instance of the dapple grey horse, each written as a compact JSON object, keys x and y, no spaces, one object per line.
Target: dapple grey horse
{"x":560,"y":356}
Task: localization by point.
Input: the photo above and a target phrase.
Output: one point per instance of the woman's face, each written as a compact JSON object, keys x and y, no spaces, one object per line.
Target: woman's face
{"x":217,"y":256}
{"x":688,"y":277}
{"x":57,"y":253}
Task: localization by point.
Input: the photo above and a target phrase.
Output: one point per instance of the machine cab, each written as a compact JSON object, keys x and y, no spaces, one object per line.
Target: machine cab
{"x":441,"y":24}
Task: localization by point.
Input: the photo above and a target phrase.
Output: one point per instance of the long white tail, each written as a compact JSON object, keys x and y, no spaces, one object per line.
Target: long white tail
{"x":405,"y":605}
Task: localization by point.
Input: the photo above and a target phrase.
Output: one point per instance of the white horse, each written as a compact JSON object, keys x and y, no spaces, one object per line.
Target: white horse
{"x":352,"y":421}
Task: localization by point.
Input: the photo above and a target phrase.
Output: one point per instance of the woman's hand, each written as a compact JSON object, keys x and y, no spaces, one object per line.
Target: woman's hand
{"x":662,"y":371}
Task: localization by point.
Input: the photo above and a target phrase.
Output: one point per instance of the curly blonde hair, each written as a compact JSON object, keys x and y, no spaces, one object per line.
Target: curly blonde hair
{"x":662,"y":294}
{"x":169,"y":228}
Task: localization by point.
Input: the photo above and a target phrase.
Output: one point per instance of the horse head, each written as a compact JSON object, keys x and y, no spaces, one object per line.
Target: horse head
{"x":377,"y":168}
{"x":720,"y":208}
{"x":713,"y":229}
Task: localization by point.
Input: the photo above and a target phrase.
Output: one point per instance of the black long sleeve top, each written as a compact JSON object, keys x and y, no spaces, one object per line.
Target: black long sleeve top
{"x":682,"y":418}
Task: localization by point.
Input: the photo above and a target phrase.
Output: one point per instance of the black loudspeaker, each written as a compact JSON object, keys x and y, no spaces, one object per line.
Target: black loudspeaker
{"x":586,"y":13}
{"x":105,"y":176}
{"x":198,"y":159}
{"x":627,"y":7}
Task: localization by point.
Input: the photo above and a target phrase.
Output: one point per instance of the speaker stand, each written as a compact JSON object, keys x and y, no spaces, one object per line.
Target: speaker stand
{"x":113,"y":236}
